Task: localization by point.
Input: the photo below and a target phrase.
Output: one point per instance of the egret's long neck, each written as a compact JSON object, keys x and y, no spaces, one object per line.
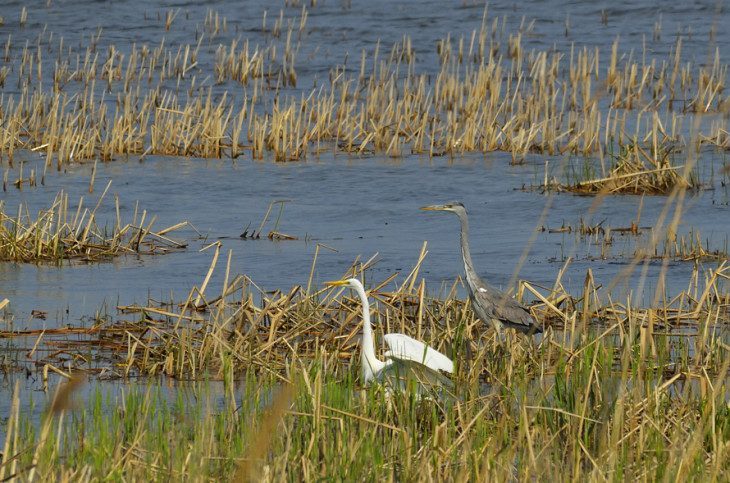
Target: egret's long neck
{"x":370,"y":364}
{"x":465,"y":252}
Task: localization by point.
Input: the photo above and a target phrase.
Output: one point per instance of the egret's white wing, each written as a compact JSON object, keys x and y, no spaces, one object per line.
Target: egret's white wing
{"x":407,"y":348}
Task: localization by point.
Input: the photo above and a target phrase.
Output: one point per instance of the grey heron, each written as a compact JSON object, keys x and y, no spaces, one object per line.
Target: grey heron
{"x":407,"y":360}
{"x":490,"y":304}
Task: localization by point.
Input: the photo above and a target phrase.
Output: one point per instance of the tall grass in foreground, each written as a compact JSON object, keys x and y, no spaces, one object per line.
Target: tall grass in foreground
{"x":574,"y":417}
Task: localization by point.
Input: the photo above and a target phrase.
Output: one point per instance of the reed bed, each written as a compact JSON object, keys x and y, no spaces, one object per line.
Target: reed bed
{"x":612,"y":391}
{"x":637,"y":170}
{"x":253,"y":330}
{"x":488,"y":94}
{"x":641,"y":242}
{"x":61,"y":233}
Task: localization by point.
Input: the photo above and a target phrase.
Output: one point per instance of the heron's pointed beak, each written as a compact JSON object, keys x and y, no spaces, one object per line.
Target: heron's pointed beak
{"x":434,"y":208}
{"x":336,"y":283}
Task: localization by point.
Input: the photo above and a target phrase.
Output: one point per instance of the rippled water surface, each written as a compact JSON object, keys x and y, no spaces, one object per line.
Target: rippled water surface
{"x":357,"y":207}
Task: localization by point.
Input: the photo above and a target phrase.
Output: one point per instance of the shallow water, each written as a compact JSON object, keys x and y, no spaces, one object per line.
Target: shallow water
{"x":358,"y":207}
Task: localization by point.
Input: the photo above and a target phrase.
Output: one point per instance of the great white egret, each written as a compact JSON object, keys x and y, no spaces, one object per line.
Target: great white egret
{"x":407,"y":358}
{"x":491,"y":305}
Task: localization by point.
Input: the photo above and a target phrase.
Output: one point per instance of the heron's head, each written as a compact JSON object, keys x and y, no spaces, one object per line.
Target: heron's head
{"x":347,"y":282}
{"x":455,"y":207}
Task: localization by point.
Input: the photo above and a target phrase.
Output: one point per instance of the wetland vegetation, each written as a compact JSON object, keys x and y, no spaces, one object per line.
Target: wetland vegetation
{"x":600,"y":149}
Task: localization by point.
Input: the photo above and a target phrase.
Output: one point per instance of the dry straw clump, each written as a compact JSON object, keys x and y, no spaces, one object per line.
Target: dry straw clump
{"x":59,"y":233}
{"x":636,"y":171}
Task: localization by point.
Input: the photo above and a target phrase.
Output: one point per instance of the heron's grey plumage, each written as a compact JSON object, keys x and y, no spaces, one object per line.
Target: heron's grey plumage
{"x":490,"y":304}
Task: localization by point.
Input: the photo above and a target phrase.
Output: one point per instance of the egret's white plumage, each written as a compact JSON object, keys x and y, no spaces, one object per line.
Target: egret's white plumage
{"x":407,"y":348}
{"x":402,"y":348}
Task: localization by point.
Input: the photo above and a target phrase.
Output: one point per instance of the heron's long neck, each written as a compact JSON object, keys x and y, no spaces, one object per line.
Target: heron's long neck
{"x":370,"y":364}
{"x":465,"y":252}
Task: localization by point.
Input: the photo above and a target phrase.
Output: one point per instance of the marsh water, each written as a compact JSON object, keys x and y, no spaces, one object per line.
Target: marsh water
{"x":356,"y":206}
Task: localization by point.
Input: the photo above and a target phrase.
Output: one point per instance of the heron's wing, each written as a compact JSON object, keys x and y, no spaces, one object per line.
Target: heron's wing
{"x":402,"y":374}
{"x":498,"y":305}
{"x":407,"y":348}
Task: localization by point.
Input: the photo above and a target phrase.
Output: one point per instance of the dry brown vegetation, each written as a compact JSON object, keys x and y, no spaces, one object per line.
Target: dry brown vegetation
{"x":60,"y":233}
{"x":611,"y":388}
{"x":614,"y":389}
{"x":643,"y":243}
{"x":489,"y":94}
{"x":636,"y":171}
{"x":192,"y":338}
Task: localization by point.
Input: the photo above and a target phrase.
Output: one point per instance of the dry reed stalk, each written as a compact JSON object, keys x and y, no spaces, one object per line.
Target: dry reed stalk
{"x":249,"y":468}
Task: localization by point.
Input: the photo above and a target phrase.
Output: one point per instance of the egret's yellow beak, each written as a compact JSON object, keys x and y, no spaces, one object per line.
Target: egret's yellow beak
{"x":336,"y":283}
{"x":435,"y":208}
